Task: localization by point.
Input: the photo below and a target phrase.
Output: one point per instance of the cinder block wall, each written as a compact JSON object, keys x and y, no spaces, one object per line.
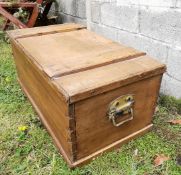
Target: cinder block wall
{"x":152,"y":26}
{"x":70,"y":11}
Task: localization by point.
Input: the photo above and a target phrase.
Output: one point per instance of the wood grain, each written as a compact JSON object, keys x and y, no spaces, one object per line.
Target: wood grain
{"x":112,"y":146}
{"x":65,"y":53}
{"x":46,"y":124}
{"x":54,"y":111}
{"x":94,"y":131}
{"x":45,"y":30}
{"x":71,"y":75}
{"x":92,"y":82}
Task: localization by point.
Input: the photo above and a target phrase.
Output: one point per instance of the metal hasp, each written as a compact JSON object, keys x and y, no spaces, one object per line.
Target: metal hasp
{"x":122,"y":109}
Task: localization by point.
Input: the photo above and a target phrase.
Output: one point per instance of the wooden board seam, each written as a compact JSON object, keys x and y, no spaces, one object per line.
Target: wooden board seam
{"x":53,"y":32}
{"x":72,"y":130}
{"x":69,"y":98}
{"x":9,"y":33}
{"x":58,"y":75}
{"x":64,"y":96}
{"x":112,"y":86}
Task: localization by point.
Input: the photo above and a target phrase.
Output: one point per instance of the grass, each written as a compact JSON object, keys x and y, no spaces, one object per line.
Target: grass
{"x":32,"y":152}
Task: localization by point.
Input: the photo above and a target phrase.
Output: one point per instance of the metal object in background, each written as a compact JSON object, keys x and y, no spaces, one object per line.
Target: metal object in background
{"x":38,"y":9}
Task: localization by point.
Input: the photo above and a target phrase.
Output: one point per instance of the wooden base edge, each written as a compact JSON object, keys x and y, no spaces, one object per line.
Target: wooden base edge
{"x":87,"y":159}
{"x":112,"y":146}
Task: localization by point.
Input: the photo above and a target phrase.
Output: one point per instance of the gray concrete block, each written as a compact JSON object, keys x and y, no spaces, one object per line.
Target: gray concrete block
{"x":178,"y":4}
{"x":81,"y":8}
{"x":152,"y":3}
{"x":121,"y":17}
{"x":107,"y":32}
{"x":63,"y":18}
{"x":177,"y":28}
{"x":171,"y":86}
{"x":105,"y":1}
{"x":161,"y":24}
{"x":174,"y":63}
{"x":95,"y":11}
{"x":55,"y":7}
{"x":154,"y":48}
{"x":162,"y":86}
{"x":67,"y":7}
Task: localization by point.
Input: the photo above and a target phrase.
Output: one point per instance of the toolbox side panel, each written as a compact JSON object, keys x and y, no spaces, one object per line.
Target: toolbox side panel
{"x":94,"y":131}
{"x":52,"y":110}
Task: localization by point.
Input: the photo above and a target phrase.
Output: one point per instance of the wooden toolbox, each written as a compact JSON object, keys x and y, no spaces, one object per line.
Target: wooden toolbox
{"x":91,"y":93}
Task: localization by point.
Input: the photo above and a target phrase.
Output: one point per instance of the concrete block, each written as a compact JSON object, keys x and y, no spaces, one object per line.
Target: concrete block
{"x":162,"y":86}
{"x":104,"y":1}
{"x":81,"y":8}
{"x":156,"y":3}
{"x":121,"y":17}
{"x":107,"y":32}
{"x":63,"y":18}
{"x":174,"y":63}
{"x":67,"y":7}
{"x":154,"y":48}
{"x":177,"y":28}
{"x":178,"y":4}
{"x":171,"y":86}
{"x":95,"y":11}
{"x":161,"y":24}
{"x":55,"y":7}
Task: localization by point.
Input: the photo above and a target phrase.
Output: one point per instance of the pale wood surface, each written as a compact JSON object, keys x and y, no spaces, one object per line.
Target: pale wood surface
{"x":112,"y":146}
{"x":55,"y":112}
{"x":93,"y":129}
{"x":35,"y":31}
{"x":47,"y":125}
{"x":95,"y":81}
{"x":65,"y":53}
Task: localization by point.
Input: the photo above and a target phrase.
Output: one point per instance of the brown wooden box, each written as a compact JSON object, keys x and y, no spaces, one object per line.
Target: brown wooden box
{"x":83,"y":86}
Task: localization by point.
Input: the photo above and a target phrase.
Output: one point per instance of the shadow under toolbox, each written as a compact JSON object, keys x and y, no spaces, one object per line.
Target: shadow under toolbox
{"x":91,"y":93}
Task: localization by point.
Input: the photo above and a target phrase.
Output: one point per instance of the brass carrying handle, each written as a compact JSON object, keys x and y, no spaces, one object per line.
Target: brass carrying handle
{"x":119,"y":108}
{"x":122,"y":122}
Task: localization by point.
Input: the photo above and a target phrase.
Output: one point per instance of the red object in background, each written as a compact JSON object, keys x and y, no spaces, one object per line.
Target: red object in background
{"x":33,"y":7}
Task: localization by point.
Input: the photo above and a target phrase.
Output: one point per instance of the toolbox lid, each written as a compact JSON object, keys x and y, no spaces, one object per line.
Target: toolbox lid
{"x":81,"y":63}
{"x":71,"y":51}
{"x":92,"y":82}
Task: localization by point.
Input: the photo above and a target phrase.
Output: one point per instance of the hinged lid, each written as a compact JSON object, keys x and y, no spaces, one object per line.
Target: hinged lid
{"x":81,"y":63}
{"x":64,"y":53}
{"x":91,"y":82}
